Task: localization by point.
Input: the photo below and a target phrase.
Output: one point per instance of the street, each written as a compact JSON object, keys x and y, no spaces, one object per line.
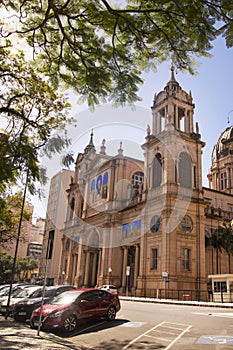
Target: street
{"x":139,"y":325}
{"x":161,"y":326}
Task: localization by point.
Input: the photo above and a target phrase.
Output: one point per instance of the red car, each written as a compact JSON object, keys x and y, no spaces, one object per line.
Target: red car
{"x":70,"y":308}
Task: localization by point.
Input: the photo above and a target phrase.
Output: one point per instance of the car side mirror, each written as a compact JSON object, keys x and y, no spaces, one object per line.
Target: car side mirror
{"x":81,"y":302}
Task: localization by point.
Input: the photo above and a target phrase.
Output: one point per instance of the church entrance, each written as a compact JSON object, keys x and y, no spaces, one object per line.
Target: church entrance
{"x":131,"y":268}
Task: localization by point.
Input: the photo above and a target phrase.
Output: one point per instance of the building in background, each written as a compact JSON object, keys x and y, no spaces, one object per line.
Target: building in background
{"x":55,"y":218}
{"x":36,"y":239}
{"x":143,"y":225}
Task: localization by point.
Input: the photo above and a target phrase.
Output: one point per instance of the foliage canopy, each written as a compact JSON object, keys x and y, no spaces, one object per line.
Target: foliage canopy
{"x":33,"y":116}
{"x":23,"y":267}
{"x":100,"y":48}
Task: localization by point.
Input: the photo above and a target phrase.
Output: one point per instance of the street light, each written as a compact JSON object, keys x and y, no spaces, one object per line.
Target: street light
{"x":63,"y":276}
{"x":109,"y":273}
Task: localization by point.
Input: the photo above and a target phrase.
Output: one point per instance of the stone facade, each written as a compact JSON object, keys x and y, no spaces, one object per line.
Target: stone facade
{"x":142,"y":225}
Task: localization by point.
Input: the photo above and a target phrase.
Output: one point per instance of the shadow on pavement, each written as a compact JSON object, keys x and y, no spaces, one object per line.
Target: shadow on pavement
{"x":92,"y":327}
{"x":17,"y":336}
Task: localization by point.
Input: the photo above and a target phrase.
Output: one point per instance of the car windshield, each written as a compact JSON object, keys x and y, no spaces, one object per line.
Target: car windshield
{"x":24,"y":293}
{"x":16,"y":292}
{"x":65,"y":298}
{"x":50,"y":292}
{"x":5,"y":290}
{"x":37,"y":293}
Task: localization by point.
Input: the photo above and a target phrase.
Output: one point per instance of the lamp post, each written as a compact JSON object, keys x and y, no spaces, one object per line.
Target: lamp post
{"x":109,"y":274}
{"x":63,"y":276}
{"x":44,"y":285}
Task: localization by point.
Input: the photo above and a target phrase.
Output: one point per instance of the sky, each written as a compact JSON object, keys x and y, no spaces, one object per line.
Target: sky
{"x":212,"y":92}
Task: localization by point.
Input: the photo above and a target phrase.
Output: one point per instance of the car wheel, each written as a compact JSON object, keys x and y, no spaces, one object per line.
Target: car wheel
{"x":70,"y":323}
{"x":32,"y":325}
{"x":17,"y":318}
{"x":111,"y":315}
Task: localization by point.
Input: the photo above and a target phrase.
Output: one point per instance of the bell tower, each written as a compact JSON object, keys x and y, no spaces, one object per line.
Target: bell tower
{"x":173,"y":157}
{"x":173,"y":106}
{"x":173,"y":133}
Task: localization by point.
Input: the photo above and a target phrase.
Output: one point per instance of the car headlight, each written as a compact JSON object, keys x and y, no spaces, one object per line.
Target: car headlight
{"x":56,"y":314}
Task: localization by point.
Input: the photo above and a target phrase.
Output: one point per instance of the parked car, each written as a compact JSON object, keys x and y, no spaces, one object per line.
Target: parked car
{"x":24,"y":308}
{"x":21,"y":293}
{"x":70,"y":308}
{"x":4,"y":290}
{"x":110,"y":288}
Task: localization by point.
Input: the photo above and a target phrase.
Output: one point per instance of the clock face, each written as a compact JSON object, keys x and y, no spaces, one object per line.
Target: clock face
{"x":155,"y":223}
{"x":186,"y":224}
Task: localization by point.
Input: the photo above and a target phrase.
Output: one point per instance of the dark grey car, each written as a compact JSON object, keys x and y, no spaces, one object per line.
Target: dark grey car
{"x":24,"y":308}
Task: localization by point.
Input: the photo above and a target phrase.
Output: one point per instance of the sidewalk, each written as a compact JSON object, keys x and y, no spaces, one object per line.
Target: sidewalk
{"x":19,"y":336}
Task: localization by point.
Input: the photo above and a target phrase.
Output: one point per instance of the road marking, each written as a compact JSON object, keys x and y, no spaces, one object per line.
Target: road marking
{"x":140,"y":336}
{"x":215,"y":339}
{"x":222,"y":314}
{"x":182,"y":328}
{"x":229,"y":315}
{"x":179,"y":336}
{"x":132,"y":324}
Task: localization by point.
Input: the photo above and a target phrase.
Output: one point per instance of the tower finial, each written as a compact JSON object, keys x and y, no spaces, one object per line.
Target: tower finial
{"x":120,"y":150}
{"x":90,"y":146}
{"x":172,"y":84}
{"x":172,"y":69}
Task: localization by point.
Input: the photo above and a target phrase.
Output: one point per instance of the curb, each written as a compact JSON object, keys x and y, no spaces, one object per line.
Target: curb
{"x":177,"y":302}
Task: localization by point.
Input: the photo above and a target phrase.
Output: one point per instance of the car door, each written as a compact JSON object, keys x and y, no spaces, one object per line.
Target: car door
{"x":102,"y":302}
{"x":86,"y":304}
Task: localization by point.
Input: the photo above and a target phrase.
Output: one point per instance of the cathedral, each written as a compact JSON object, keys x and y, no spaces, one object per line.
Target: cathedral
{"x":143,"y":225}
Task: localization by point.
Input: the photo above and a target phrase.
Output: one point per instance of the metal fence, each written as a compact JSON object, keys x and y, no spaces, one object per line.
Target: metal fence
{"x":174,"y":294}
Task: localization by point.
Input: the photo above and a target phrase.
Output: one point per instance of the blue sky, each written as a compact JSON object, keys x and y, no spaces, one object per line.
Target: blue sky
{"x":212,"y":91}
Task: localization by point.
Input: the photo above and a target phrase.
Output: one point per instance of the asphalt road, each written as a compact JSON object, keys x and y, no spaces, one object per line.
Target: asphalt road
{"x":142,"y":325}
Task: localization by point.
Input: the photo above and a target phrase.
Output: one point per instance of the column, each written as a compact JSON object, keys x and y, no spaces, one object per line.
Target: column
{"x":74,"y":268}
{"x":136,"y":266}
{"x":125,"y":256}
{"x":186,"y":121}
{"x":79,"y":273}
{"x":99,"y":262}
{"x":191,"y":120}
{"x":68,"y":273}
{"x":177,"y":121}
{"x":86,"y":276}
{"x":158,"y":122}
{"x":94,"y":268}
{"x":229,"y":180}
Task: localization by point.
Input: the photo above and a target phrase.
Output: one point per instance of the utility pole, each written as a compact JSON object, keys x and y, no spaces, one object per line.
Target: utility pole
{"x":44,"y":285}
{"x":17,"y":245}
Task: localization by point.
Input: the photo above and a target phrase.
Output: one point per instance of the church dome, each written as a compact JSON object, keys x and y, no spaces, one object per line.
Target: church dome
{"x":224,"y":145}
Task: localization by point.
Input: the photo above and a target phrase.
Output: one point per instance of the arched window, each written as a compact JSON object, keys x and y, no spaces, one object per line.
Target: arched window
{"x":137,"y":183}
{"x":137,"y":178}
{"x":72,"y":205}
{"x":157,"y":170}
{"x":185,"y":170}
